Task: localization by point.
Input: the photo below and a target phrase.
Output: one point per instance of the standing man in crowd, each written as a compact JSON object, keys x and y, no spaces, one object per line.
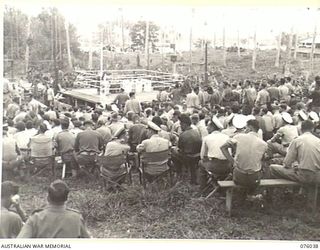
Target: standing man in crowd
{"x":121,"y":99}
{"x":188,"y":152}
{"x":132,"y":104}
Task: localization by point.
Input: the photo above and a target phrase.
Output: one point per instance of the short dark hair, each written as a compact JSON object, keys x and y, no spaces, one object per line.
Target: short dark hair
{"x":64,"y":123}
{"x":56,"y":122}
{"x":20,"y":126}
{"x":307,"y":125}
{"x":43,"y":128}
{"x":254,"y":124}
{"x":58,"y":191}
{"x":29,"y":124}
{"x":157,"y":120}
{"x":132,"y":94}
{"x":184,"y":118}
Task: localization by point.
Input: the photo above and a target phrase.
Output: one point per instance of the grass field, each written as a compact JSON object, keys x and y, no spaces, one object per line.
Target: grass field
{"x":179,"y":213}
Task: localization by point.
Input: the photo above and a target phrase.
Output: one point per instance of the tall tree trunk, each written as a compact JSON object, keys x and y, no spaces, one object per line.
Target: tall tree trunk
{"x":312,"y":49}
{"x":122,"y":29}
{"x":224,"y":47}
{"x":54,"y":42}
{"x":27,"y":46}
{"x":147,"y":45}
{"x":295,"y":46}
{"x":254,"y":53}
{"x":277,"y":63}
{"x":190,"y":40}
{"x":289,"y":46}
{"x":239,"y":43}
{"x":90,"y":52}
{"x":17,"y":36}
{"x":68,"y":45}
{"x":101,"y":54}
{"x":56,"y":35}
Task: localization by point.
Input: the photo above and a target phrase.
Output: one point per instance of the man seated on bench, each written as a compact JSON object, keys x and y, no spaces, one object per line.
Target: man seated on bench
{"x":249,"y":151}
{"x":212,"y":158}
{"x":305,"y":149}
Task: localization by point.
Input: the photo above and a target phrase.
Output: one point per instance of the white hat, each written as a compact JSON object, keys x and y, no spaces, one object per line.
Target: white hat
{"x":250,"y":117}
{"x":217,"y":122}
{"x":286,"y":117}
{"x":114,"y":108}
{"x":148,"y":109}
{"x":239,"y":121}
{"x":153,"y":126}
{"x":303,"y":115}
{"x":314,"y":116}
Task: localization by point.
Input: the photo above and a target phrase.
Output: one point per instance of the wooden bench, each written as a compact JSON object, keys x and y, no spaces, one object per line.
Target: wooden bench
{"x":230,"y":186}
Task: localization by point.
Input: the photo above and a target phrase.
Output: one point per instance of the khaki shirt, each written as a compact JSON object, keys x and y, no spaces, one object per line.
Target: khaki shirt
{"x":249,"y":151}
{"x":154,"y":144}
{"x":10,"y":224}
{"x":55,"y":222}
{"x":305,"y":149}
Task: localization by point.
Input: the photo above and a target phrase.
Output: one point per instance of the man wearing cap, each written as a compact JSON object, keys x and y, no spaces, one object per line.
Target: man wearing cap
{"x":285,"y":134}
{"x":109,"y":168}
{"x":10,"y":222}
{"x":154,"y":144}
{"x":132,"y":104}
{"x":118,"y":144}
{"x":249,"y":151}
{"x":211,"y":156}
{"x":305,"y":150}
{"x":189,"y":146}
{"x":88,"y":145}
{"x":56,"y":220}
{"x":236,"y":125}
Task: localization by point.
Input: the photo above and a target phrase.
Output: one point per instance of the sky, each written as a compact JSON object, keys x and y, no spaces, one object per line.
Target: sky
{"x":267,"y":20}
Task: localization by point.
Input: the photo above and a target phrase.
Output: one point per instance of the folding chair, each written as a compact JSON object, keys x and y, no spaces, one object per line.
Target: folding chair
{"x":114,"y":170}
{"x":41,"y":155}
{"x":154,"y":164}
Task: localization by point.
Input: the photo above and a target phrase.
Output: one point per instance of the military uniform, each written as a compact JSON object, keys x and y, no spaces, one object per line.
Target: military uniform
{"x":10,"y":223}
{"x":55,"y":221}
